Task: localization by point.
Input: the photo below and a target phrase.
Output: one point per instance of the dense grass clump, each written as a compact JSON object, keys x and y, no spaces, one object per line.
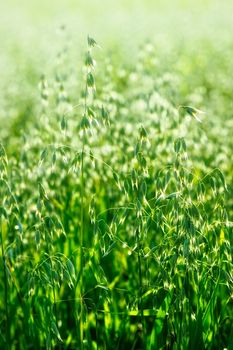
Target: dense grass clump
{"x":116,"y":205}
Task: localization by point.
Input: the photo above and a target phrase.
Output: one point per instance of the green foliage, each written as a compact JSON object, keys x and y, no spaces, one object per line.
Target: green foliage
{"x":116,"y":206}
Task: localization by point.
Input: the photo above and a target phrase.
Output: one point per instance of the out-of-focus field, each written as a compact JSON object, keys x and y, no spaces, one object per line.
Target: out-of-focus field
{"x":115,"y":188}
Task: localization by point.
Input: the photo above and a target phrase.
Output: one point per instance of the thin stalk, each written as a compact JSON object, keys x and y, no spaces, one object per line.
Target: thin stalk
{"x":89,"y":83}
{"x":140,"y":306}
{"x":5,"y":291}
{"x":82,"y":193}
{"x":180,"y":327}
{"x":81,"y":249}
{"x":96,"y":330}
{"x":55,"y":306}
{"x":139,"y":231}
{"x":54,"y":299}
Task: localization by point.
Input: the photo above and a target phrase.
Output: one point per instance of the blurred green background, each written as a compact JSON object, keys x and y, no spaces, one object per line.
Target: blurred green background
{"x":32,"y":25}
{"x":29,"y":29}
{"x":188,"y":36}
{"x":192,"y":38}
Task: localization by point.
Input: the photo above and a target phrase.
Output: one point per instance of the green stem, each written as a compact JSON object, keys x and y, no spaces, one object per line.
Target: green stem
{"x":140,"y":306}
{"x":54,"y":295}
{"x":82,"y":193}
{"x":180,"y":326}
{"x":81,"y":249}
{"x":6,"y":291}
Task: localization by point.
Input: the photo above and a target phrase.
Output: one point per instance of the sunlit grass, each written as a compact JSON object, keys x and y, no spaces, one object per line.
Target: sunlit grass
{"x":115,"y":187}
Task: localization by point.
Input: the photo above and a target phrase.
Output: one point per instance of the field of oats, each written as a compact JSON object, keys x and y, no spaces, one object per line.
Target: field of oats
{"x":116,"y":170}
